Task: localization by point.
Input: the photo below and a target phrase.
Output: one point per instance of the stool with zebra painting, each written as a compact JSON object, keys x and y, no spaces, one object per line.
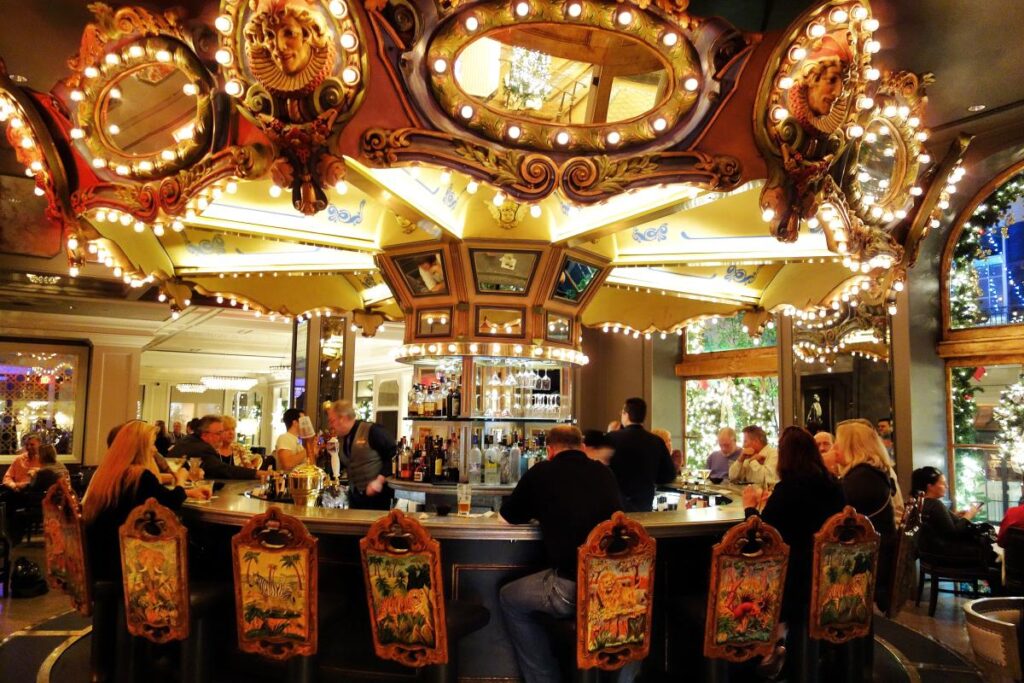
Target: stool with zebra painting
{"x":276,"y":589}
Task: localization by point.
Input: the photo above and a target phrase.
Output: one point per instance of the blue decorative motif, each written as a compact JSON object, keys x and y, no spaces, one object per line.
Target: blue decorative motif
{"x":450,"y":198}
{"x":336,"y":215}
{"x":658,"y":234}
{"x":215,"y":245}
{"x":740,"y":275}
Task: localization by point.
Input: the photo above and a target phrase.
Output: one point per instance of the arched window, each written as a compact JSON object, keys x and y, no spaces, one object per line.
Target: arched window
{"x":985,"y":278}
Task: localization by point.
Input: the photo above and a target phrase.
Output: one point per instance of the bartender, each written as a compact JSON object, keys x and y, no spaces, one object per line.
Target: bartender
{"x":366,"y":453}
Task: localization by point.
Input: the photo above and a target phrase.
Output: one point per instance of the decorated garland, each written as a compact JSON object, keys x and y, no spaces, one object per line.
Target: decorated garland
{"x":1009,"y":414}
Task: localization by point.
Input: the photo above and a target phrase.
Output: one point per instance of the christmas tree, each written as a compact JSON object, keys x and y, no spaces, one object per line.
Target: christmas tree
{"x":731,"y":402}
{"x":1009,"y":415}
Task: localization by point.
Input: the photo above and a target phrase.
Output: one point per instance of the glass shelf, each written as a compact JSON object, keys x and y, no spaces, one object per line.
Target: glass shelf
{"x":552,"y":420}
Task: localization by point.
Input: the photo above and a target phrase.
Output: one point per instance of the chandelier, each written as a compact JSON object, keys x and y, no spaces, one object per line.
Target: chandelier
{"x":229,"y":383}
{"x":281,"y":371}
{"x":191,"y":388}
{"x":528,"y":82}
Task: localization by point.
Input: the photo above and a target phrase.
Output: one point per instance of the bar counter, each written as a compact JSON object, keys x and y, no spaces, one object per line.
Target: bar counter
{"x":479,"y":554}
{"x":232,"y":507}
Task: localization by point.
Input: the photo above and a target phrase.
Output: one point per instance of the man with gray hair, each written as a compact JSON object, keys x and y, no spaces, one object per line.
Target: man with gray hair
{"x":720,"y":461}
{"x":366,"y":453}
{"x":758,"y":463}
{"x":203,"y":443}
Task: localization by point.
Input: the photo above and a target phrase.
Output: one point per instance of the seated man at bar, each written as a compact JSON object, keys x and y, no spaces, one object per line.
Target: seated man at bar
{"x":758,"y":463}
{"x":641,"y":460}
{"x":203,"y":443}
{"x":728,"y":452}
{"x":367,"y":453}
{"x":568,"y":494}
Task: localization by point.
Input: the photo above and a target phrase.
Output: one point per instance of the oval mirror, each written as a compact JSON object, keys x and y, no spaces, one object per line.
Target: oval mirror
{"x":571,"y":75}
{"x":879,"y":162}
{"x":149,"y":109}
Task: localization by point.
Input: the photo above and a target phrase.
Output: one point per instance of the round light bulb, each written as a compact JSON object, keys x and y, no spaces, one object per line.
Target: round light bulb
{"x":341,"y":187}
{"x":466,"y":112}
{"x":514,"y":132}
{"x":871,"y":24}
{"x":190,"y":89}
{"x":139,"y":226}
{"x":350,"y":75}
{"x":233,"y":88}
{"x":562,"y":137}
{"x":348,"y":40}
{"x":440,"y":66}
{"x":691,"y":84}
{"x":471,"y":23}
{"x":670,"y":38}
{"x":223,"y":23}
{"x":522,"y":9}
{"x":275,"y":191}
{"x":574,"y":9}
{"x":223,"y":56}
{"x":625,"y":17}
{"x":535,"y":210}
{"x":613,"y":137}
{"x":660,"y":124}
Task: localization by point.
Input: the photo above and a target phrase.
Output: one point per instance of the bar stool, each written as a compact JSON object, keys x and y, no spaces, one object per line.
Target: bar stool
{"x":160,"y":603}
{"x":845,"y":569}
{"x":277,"y":592}
{"x":67,"y":570}
{"x":904,"y":557}
{"x":614,"y":600}
{"x":748,"y":573}
{"x":410,"y":621}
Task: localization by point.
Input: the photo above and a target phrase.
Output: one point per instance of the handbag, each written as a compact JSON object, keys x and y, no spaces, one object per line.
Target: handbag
{"x":27,"y":580}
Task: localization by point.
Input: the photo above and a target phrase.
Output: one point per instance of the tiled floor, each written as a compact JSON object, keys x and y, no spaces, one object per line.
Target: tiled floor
{"x":16,"y":615}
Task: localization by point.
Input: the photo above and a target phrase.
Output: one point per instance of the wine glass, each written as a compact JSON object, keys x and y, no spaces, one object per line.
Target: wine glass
{"x":704,"y":473}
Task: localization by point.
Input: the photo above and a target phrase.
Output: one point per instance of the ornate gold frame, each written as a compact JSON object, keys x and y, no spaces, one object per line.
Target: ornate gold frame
{"x":680,"y":61}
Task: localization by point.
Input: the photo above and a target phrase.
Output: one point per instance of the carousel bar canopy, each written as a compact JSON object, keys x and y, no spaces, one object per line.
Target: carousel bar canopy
{"x":624,"y":165}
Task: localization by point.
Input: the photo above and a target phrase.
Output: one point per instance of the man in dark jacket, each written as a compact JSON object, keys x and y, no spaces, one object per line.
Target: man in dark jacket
{"x":641,"y":459}
{"x":203,"y":444}
{"x":367,"y":452}
{"x":569,"y":494}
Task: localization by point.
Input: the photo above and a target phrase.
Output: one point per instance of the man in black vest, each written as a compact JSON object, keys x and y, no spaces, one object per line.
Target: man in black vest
{"x":366,"y":454}
{"x":569,"y":494}
{"x":641,"y":459}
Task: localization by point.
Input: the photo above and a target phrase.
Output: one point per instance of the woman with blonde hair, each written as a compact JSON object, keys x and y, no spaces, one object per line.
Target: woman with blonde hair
{"x":870,"y":487}
{"x":239,"y":455}
{"x":124,"y":480}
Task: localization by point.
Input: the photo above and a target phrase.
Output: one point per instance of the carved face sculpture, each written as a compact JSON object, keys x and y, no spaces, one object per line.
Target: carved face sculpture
{"x":824,"y":87}
{"x":289,"y":46}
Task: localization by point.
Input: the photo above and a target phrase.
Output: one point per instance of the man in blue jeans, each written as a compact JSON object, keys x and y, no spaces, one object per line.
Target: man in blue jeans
{"x":568,"y":494}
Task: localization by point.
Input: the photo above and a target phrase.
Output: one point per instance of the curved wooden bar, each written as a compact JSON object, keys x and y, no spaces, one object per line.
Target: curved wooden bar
{"x":479,"y":554}
{"x":232,"y":507}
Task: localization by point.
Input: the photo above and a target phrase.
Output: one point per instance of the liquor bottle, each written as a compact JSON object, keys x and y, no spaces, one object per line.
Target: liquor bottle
{"x":419,"y":474}
{"x":455,"y":401}
{"x":504,"y":462}
{"x":491,"y":474}
{"x":405,"y":468}
{"x":515,"y":457}
{"x":439,"y":458}
{"x":418,"y":400}
{"x":442,"y":399}
{"x":413,"y":408}
{"x":475,"y":464}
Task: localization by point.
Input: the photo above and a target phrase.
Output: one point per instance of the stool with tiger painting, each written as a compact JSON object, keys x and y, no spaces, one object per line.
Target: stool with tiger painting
{"x":410,"y":621}
{"x":67,"y":570}
{"x":161,"y":605}
{"x":277,"y":592}
{"x":748,"y":573}
{"x":845,"y":570}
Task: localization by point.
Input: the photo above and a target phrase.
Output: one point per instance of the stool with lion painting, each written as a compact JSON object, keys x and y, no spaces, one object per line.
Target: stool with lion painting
{"x":748,"y":573}
{"x":410,"y":621}
{"x":277,"y":592}
{"x":161,"y":605}
{"x":67,"y":570}
{"x":845,"y":567}
{"x":614,"y":595}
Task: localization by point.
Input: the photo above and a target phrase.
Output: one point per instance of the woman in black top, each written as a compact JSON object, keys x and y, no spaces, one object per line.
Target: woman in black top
{"x":951,"y":539}
{"x":122,"y":482}
{"x":869,"y":488}
{"x":163,"y":439}
{"x":804,"y":498}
